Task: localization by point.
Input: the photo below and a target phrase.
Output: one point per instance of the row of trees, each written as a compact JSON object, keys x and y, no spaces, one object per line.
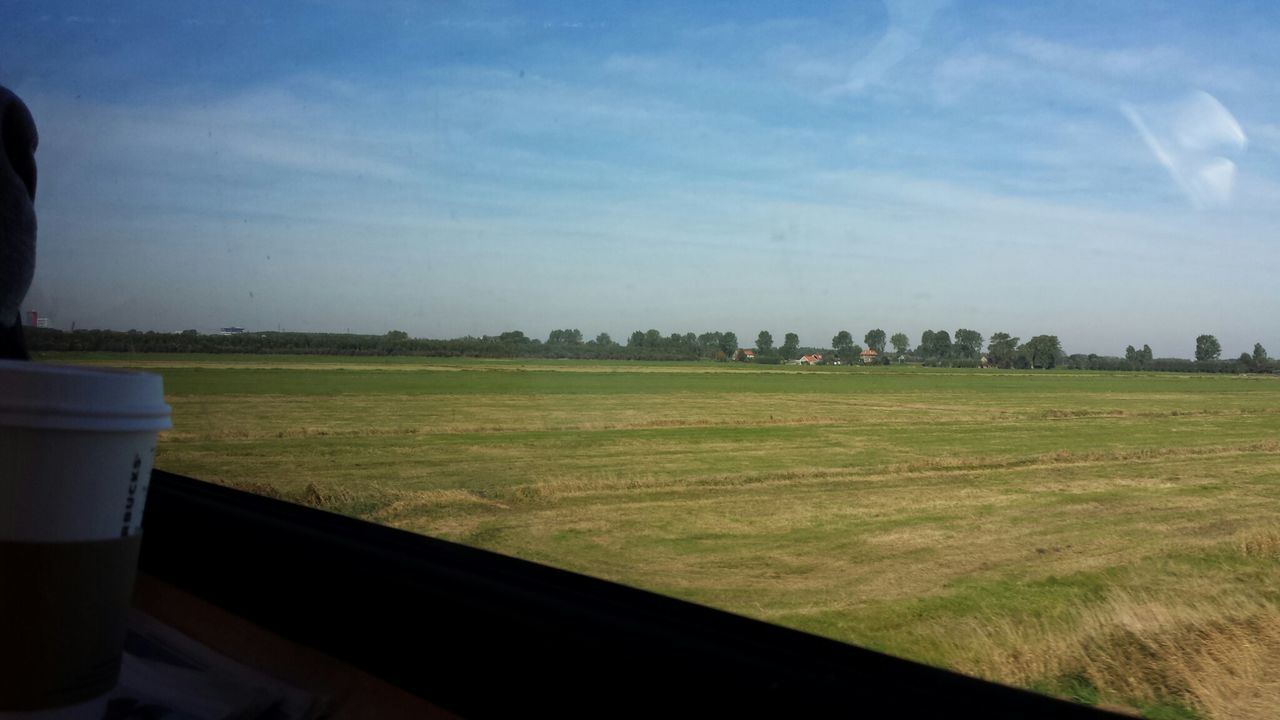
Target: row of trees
{"x":936,"y":347}
{"x":567,"y":343}
{"x":790,"y":349}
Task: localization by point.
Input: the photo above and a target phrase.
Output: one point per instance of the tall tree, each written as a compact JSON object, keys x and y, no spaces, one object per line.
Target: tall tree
{"x":968,"y":343}
{"x":1041,"y":351}
{"x":636,"y":340}
{"x":565,"y":337}
{"x":1259,"y":356}
{"x":875,"y":340}
{"x":603,"y":340}
{"x":901,"y":343}
{"x":1207,"y":348}
{"x":790,"y":344}
{"x":842,"y":343}
{"x":926,"y":341}
{"x":764,"y":343}
{"x":939,"y":344}
{"x":710,"y":340}
{"x":729,"y":344}
{"x":1001,"y":349}
{"x":1138,"y":358}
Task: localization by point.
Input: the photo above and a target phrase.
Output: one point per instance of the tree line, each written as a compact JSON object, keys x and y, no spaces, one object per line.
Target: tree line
{"x":964,"y":348}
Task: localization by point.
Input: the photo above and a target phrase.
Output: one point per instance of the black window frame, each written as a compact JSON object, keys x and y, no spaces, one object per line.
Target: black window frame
{"x":482,"y":634}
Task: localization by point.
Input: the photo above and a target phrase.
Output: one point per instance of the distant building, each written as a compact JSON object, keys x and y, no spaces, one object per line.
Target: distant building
{"x":42,"y":322}
{"x":868,"y":356}
{"x":744,"y":355}
{"x":231,"y":331}
{"x":813,"y":359}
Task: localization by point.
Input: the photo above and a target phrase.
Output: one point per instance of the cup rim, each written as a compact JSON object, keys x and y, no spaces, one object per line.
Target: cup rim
{"x":41,"y":395}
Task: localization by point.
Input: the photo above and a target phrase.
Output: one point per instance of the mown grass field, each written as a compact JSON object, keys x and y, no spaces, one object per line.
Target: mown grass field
{"x":1112,"y":537}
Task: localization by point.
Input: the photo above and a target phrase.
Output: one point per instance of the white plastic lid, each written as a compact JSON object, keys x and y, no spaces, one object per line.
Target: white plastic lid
{"x":68,"y":397}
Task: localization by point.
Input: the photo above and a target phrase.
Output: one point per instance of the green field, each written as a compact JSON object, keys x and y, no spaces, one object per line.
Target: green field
{"x":1111,"y":537}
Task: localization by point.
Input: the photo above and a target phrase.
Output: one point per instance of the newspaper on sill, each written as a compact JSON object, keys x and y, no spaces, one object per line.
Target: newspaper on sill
{"x":166,"y":675}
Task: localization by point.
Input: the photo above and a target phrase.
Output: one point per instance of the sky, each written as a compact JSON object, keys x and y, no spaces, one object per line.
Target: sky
{"x":1106,"y":172}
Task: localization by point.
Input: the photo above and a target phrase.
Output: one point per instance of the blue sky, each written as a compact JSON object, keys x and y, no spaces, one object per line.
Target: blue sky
{"x":1107,"y":172}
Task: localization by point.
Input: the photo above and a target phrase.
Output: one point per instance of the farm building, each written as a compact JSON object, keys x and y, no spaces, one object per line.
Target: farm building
{"x":868,"y":356}
{"x":813,"y":359}
{"x":744,"y":355}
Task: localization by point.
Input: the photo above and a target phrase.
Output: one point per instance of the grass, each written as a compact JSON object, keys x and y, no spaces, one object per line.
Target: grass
{"x":1109,"y":537}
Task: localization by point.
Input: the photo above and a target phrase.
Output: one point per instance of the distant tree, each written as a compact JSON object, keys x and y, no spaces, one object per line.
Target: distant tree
{"x":939,"y":345}
{"x":729,"y":344}
{"x":190,"y":333}
{"x":789,"y":346}
{"x":875,"y":340}
{"x":1041,"y":351}
{"x":1002,"y":349}
{"x":1246,"y":362}
{"x":926,"y":342}
{"x":565,"y":337}
{"x":901,"y":343}
{"x":652,"y":338}
{"x":513,"y":337}
{"x":764,"y":343}
{"x":393,"y":341}
{"x":842,"y":343}
{"x":636,"y":340}
{"x":1259,"y":356}
{"x":603,"y":340}
{"x":1207,"y":348}
{"x":1138,"y":358}
{"x":968,"y":343}
{"x":710,"y":344}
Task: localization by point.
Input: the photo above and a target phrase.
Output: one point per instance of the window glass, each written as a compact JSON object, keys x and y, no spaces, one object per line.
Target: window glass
{"x":938,"y":328}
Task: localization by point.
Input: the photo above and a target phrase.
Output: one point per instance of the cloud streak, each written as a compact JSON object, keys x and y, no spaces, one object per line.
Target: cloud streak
{"x":908,"y":22}
{"x":1186,"y":141}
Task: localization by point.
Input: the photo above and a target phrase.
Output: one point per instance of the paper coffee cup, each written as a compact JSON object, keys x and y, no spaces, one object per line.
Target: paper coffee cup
{"x":76,"y":449}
